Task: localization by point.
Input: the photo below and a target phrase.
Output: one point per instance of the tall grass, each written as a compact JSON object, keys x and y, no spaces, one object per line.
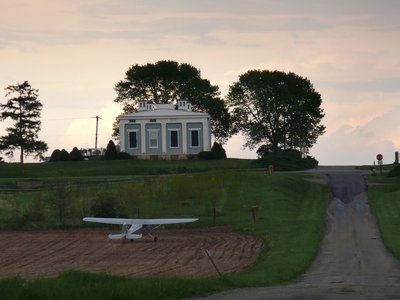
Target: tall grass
{"x":384,"y":196}
{"x":291,"y":221}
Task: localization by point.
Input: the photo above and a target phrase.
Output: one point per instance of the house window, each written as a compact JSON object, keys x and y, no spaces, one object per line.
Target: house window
{"x":133,"y":140}
{"x":194,"y":138}
{"x":174,"y":138}
{"x":153,"y":139}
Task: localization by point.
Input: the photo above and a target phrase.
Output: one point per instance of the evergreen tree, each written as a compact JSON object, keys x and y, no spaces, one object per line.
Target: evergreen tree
{"x":64,"y":155}
{"x":23,"y":107}
{"x":218,"y":152}
{"x":55,"y":155}
{"x":111,"y":151}
{"x":76,"y":155}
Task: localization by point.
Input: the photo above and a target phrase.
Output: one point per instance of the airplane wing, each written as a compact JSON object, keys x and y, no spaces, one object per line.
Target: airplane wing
{"x":139,"y":221}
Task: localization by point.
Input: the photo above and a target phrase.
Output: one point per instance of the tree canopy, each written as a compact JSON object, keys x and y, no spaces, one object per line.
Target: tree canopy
{"x":22,"y":107}
{"x":169,"y":81}
{"x":278,"y":109}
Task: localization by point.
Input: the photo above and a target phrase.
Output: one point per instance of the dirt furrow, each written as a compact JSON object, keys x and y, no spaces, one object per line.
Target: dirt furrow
{"x":38,"y":254}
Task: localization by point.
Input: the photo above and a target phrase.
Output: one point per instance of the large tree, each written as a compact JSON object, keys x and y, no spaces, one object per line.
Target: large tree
{"x":23,"y":107}
{"x":277,"y":109}
{"x":169,"y":81}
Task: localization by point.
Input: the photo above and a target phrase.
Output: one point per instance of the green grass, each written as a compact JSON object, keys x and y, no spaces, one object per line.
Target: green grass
{"x":291,"y":222}
{"x":118,"y":168}
{"x":384,"y":196}
{"x":79,"y":285}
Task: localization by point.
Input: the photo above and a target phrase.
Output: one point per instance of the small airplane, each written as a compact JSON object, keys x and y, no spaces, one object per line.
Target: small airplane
{"x":133,"y":229}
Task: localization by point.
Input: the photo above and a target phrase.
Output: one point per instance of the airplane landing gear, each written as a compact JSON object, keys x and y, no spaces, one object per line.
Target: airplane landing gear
{"x":155,"y":239}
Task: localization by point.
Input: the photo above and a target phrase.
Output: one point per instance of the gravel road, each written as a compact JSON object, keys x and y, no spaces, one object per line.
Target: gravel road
{"x":353,"y":263}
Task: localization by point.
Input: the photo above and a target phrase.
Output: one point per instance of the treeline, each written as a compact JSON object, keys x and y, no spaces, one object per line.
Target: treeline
{"x":111,"y":153}
{"x":77,"y":155}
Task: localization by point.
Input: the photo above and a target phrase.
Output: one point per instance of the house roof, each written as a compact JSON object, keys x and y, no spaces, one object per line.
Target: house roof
{"x":163,"y":113}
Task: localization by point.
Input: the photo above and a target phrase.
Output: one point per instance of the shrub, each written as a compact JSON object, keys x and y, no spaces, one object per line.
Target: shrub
{"x":395,"y":172}
{"x":287,"y":160}
{"x":76,"y":155}
{"x":123,"y":155}
{"x":218,"y":151}
{"x":104,"y":206}
{"x":58,"y":155}
{"x":111,"y":151}
{"x":60,"y":200}
{"x":55,"y":155}
{"x":264,"y":150}
{"x":206,"y":155}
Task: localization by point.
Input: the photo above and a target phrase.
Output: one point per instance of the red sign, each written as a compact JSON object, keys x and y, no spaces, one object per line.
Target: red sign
{"x":379,"y":157}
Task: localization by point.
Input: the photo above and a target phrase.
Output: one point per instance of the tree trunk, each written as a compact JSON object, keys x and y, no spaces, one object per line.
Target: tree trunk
{"x":22,"y":160}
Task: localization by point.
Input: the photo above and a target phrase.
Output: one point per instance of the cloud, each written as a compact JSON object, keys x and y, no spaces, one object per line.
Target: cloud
{"x":359,"y":145}
{"x":75,"y":51}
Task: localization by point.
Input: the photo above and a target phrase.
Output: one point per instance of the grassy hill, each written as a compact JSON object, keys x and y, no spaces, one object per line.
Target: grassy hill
{"x":291,"y":218}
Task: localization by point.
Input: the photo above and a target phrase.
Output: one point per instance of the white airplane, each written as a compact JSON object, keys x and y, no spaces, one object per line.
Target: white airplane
{"x":133,"y":229}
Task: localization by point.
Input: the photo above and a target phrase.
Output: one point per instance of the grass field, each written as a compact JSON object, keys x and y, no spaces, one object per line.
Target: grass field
{"x":384,"y":196}
{"x":291,"y":222}
{"x":119,"y":168}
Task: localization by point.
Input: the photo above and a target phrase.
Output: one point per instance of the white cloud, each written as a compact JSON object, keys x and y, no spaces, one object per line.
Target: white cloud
{"x":360,"y":145}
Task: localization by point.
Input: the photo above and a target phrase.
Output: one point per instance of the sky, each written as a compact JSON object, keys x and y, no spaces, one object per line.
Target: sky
{"x":74,"y":52}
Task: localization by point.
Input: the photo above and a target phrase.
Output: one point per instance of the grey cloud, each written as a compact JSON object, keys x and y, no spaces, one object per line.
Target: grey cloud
{"x":388,"y":84}
{"x":198,"y":19}
{"x":249,"y":7}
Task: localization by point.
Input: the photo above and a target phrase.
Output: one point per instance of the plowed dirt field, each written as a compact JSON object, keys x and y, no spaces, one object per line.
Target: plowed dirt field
{"x":37,"y":254}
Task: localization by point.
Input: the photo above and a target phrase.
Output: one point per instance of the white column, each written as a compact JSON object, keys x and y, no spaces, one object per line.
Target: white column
{"x":143,"y":136}
{"x":122,"y":135}
{"x":206,"y":136}
{"x":163,"y":137}
{"x":184,"y":137}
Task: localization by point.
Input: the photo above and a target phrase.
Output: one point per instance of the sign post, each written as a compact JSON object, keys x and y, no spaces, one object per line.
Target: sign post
{"x":379,"y":157}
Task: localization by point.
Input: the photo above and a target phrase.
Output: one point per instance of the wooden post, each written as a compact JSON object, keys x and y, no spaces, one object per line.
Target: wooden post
{"x":254,"y":213}
{"x":214,"y":215}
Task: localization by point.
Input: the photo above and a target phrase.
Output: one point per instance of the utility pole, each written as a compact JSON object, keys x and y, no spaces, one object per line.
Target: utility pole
{"x":97,"y":132}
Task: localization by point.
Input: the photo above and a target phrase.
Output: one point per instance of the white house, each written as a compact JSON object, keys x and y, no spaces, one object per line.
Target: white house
{"x":159,"y":131}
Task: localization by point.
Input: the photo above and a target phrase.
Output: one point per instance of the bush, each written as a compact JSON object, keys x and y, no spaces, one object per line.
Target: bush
{"x":206,"y":155}
{"x":395,"y":172}
{"x":123,"y":155}
{"x":111,"y":151}
{"x":264,"y":150}
{"x":104,"y":206}
{"x":58,"y":155}
{"x":55,"y":155}
{"x":217,"y":152}
{"x":64,"y":155}
{"x":287,"y":160}
{"x":76,"y":155}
